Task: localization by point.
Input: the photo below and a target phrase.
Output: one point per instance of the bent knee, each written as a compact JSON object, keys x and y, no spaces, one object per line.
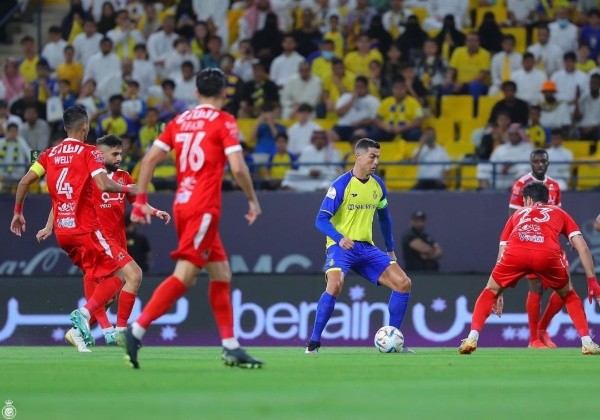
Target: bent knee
{"x":404,"y":283}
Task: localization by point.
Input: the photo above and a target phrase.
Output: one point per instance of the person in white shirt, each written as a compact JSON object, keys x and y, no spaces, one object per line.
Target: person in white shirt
{"x":548,"y":56}
{"x":300,"y":133}
{"x":394,"y":19}
{"x":571,"y":82}
{"x":185,"y":84}
{"x":504,"y":64}
{"x":215,"y":11}
{"x":357,"y":109}
{"x":318,"y":166}
{"x":53,"y":50}
{"x":243,"y":66}
{"x":562,"y":32}
{"x":528,"y":80}
{"x":438,"y":9}
{"x":87,"y":43}
{"x":102,"y":66}
{"x":301,"y":88}
{"x":180,"y":53}
{"x":556,"y":115}
{"x":14,"y":154}
{"x":285,"y":66}
{"x":561,"y":172}
{"x":6,"y":117}
{"x":160,"y":44}
{"x":587,"y":111}
{"x":144,"y":70}
{"x":430,"y":176}
{"x":521,"y":12}
{"x":125,"y":37}
{"x":322,"y":11}
{"x":35,"y":131}
{"x":509,"y":161}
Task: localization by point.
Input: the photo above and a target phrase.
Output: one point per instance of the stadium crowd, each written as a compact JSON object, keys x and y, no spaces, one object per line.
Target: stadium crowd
{"x":435,"y":81}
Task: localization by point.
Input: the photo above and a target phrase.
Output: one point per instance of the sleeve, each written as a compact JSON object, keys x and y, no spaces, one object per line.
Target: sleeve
{"x":166,"y":140}
{"x":385,"y":224}
{"x":230,"y":136}
{"x":570,"y":227}
{"x":94,"y":160}
{"x":516,"y":196}
{"x":323,"y":223}
{"x":508,"y":228}
{"x":455,"y":59}
{"x":38,"y":169}
{"x":127,"y":179}
{"x":485,"y":61}
{"x":382,"y":110}
{"x":40,"y":165}
{"x":334,"y":197}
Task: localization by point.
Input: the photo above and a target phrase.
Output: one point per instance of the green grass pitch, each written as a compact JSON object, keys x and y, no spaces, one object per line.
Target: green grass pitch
{"x":338,"y":383}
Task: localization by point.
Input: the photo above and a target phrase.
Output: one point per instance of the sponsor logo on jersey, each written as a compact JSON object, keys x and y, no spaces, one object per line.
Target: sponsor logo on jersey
{"x":524,"y":237}
{"x":66,"y":222}
{"x":331,"y":193}
{"x":66,"y":208}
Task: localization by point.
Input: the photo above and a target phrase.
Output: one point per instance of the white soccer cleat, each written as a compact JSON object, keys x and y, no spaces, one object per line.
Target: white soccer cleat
{"x":590,"y":348}
{"x":467,"y":346}
{"x":73,"y":336}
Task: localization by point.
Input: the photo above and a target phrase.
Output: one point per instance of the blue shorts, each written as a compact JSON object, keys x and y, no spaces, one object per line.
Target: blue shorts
{"x":365,"y":259}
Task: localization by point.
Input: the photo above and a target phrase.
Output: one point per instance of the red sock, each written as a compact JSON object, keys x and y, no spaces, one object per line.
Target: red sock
{"x":555,"y":304}
{"x":126,"y":301}
{"x":533,"y":305}
{"x":220,"y":301}
{"x":165,"y":295}
{"x":105,"y":291}
{"x":102,"y":319}
{"x":88,"y":290}
{"x":483,"y":309}
{"x":576,"y":312}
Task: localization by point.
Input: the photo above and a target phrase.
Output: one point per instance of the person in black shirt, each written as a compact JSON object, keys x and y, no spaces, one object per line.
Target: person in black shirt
{"x":137,"y":245}
{"x":517,"y":109}
{"x":421,"y":252}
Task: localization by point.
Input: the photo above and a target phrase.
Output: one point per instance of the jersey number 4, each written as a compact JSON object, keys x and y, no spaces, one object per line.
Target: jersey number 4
{"x":63,"y":187}
{"x":191,"y":152}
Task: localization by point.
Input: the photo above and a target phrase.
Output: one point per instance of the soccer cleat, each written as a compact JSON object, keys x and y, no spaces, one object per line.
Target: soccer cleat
{"x":110,"y":338}
{"x":545,"y":338}
{"x":132,"y":346}
{"x":590,"y":348}
{"x":537,"y":344}
{"x":312,"y":347}
{"x":120,"y":337}
{"x":74,"y":338}
{"x":81,"y":323}
{"x":406,"y":350}
{"x":467,"y":346}
{"x":239,"y":357}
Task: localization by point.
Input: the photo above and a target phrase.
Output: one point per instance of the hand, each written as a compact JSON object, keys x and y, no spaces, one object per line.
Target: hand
{"x":597,"y":223}
{"x":498,"y":306}
{"x":593,"y":289}
{"x":141,"y":213}
{"x":253,"y":212}
{"x":162,"y":215}
{"x":43,"y":234}
{"x":346,"y":243}
{"x":17,"y":225}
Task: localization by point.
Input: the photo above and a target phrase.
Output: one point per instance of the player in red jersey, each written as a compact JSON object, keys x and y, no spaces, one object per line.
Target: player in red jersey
{"x":529,"y":244}
{"x":204,"y":139}
{"x":538,"y":336}
{"x":110,"y":208}
{"x":71,"y":168}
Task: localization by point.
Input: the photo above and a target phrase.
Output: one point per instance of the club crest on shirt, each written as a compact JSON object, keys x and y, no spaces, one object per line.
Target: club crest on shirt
{"x":121,"y":256}
{"x":331,"y":193}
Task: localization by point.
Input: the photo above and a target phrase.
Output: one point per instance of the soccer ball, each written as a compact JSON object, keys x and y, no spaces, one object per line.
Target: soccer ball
{"x":389,"y":339}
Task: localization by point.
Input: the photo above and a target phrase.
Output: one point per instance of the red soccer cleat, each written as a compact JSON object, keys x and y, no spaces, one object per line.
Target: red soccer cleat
{"x":545,"y":338}
{"x":536,"y":344}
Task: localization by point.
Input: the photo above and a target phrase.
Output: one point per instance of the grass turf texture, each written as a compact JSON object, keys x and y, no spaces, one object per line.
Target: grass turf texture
{"x":191,"y":382}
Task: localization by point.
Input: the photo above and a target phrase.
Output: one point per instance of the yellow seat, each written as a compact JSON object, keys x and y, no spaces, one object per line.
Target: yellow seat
{"x":466,"y":128}
{"x":580,"y":148}
{"x":246,"y":125}
{"x":484,"y":107}
{"x":468,"y":178}
{"x":459,"y":149}
{"x":520,"y":37}
{"x":457,"y":107}
{"x":588,"y":176}
{"x":393,"y":151}
{"x":326,"y":123}
{"x":343,"y":147}
{"x":499,"y":12}
{"x":233,"y":16}
{"x":400,"y":177}
{"x":443,"y":127}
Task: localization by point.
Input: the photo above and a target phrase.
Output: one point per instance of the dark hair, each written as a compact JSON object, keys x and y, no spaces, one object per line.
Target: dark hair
{"x":365,"y":143}
{"x":27,"y":38}
{"x":538,"y":151}
{"x":283,"y":136}
{"x":535,"y":107}
{"x":509,"y":37}
{"x":595,"y":76}
{"x":116,"y":97}
{"x":336,"y":60}
{"x":304,"y":107}
{"x":109,"y":140}
{"x":133,"y":83}
{"x":509,"y":84}
{"x":167,"y":82}
{"x":536,"y":191}
{"x":12,"y":125}
{"x":570,"y":56}
{"x":362,"y":79}
{"x":139,"y":47}
{"x":68,"y":47}
{"x":528,"y":55}
{"x":106,"y":39}
{"x":54,"y":29}
{"x":74,"y":117}
{"x":187,"y":63}
{"x":210,"y":82}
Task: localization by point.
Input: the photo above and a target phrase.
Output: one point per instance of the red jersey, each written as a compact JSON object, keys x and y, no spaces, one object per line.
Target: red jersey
{"x":538,"y":228}
{"x":516,"y":198}
{"x":110,"y":208}
{"x":202,"y":138}
{"x":70,"y":167}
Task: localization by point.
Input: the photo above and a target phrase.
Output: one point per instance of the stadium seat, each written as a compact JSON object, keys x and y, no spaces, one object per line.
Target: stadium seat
{"x":233,"y":17}
{"x":393,"y":151}
{"x":400,"y":177}
{"x":484,"y":107}
{"x":343,"y":147}
{"x":520,"y":37}
{"x":499,"y":12}
{"x":459,"y":149}
{"x":588,"y":176}
{"x":468,"y":178}
{"x":246,"y":125}
{"x":466,"y":128}
{"x":457,"y":107}
{"x":444,"y":129}
{"x":580,"y":148}
{"x":326,"y":123}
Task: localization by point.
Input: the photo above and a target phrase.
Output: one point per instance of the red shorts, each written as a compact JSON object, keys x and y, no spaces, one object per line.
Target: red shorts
{"x":96,"y":256}
{"x":549,"y":267}
{"x":565,"y":261}
{"x":199,"y":239}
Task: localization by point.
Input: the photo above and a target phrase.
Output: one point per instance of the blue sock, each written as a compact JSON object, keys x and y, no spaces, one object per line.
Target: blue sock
{"x":397,"y":306}
{"x":324,"y":310}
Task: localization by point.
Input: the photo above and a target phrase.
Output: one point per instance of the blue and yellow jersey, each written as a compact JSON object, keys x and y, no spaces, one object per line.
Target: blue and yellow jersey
{"x":352,"y":204}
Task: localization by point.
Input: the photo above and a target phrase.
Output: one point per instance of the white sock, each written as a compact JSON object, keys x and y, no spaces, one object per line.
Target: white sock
{"x":230,"y":343}
{"x":137,"y":331}
{"x":119,"y":329}
{"x":107,"y":330}
{"x":586,"y":339}
{"x":474,"y":335}
{"x":85,"y":312}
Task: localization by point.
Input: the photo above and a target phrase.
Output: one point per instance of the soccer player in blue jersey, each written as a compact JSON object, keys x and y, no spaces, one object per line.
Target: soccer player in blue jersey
{"x":346,"y":218}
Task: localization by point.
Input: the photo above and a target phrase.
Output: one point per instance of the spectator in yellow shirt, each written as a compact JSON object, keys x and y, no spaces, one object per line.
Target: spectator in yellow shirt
{"x":150,"y":130}
{"x":358,"y":61}
{"x":28,"y":65}
{"x":334,"y":35}
{"x":70,"y":70}
{"x":340,"y":82}
{"x":321,"y":66}
{"x":398,"y":115}
{"x":469,"y":69}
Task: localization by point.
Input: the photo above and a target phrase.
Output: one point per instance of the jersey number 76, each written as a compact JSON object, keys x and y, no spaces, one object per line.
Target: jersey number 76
{"x":191,"y":152}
